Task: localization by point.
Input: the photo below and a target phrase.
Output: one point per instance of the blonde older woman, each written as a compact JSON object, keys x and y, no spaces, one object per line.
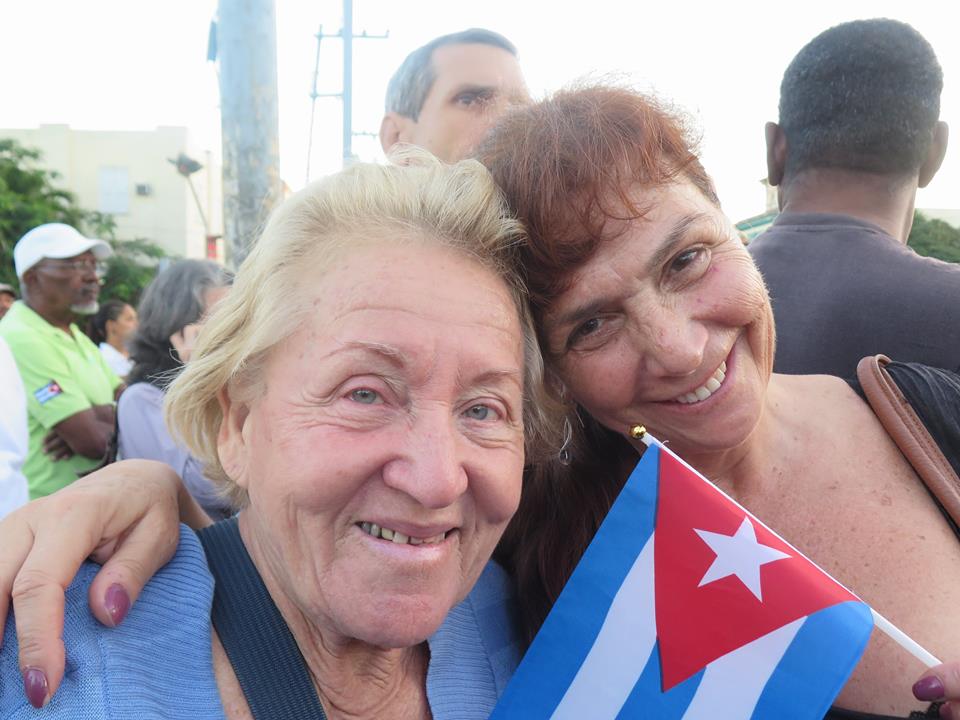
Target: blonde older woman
{"x":360,"y":397}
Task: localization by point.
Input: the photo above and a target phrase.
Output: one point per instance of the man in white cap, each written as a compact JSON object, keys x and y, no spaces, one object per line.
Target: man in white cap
{"x":70,"y":390}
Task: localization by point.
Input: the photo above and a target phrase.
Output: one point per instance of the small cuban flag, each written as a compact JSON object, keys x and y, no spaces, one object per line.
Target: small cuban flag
{"x":687,"y":606}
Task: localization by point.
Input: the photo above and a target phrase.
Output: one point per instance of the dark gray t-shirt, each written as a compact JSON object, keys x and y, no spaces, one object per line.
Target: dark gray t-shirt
{"x":842,"y":289}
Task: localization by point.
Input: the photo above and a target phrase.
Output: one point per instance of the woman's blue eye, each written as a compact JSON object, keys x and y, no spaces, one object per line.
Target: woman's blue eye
{"x":479,"y":412}
{"x":365,"y":396}
{"x":681,"y":261}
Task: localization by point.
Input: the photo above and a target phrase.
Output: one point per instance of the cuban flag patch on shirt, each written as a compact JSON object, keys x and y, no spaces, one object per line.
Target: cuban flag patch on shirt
{"x":48,"y":392}
{"x":686,"y":607}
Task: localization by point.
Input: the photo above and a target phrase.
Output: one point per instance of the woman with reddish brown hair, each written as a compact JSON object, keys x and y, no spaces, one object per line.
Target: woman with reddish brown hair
{"x":649,"y":310}
{"x":570,"y":166}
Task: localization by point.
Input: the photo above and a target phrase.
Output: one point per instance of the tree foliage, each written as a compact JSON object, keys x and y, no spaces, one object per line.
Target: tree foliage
{"x":130,"y":269}
{"x":30,"y":196}
{"x":934,"y":238}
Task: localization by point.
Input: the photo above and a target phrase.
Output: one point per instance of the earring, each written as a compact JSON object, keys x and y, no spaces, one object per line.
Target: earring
{"x":637,"y":432}
{"x":564,"y":455}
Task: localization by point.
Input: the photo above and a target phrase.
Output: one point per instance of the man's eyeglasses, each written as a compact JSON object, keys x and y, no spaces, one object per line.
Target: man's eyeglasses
{"x":77,"y":265}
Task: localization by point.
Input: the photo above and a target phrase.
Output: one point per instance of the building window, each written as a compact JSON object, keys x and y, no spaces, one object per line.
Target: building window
{"x":114,"y":190}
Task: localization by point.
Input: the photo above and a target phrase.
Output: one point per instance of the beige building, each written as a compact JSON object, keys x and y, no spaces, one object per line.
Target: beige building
{"x":128,"y":174}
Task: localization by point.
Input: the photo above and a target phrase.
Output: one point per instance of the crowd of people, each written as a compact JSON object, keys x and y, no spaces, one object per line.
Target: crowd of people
{"x":431,"y":362}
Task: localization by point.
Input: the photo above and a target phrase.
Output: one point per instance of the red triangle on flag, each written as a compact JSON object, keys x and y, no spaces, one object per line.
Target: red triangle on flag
{"x":696,"y":624}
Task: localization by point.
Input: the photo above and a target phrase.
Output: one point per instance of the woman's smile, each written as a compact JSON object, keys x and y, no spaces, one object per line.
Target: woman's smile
{"x":398,"y":537}
{"x":710,"y":392}
{"x":394,"y":548}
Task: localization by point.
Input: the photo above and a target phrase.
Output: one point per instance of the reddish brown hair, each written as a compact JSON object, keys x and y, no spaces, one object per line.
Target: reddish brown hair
{"x":571,"y":163}
{"x":569,"y":166}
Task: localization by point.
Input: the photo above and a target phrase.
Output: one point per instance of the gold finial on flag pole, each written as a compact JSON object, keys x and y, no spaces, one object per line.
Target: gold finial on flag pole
{"x":637,"y":432}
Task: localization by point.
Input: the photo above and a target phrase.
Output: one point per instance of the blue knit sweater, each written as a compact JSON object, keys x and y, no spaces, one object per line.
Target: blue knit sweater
{"x":158,"y":663}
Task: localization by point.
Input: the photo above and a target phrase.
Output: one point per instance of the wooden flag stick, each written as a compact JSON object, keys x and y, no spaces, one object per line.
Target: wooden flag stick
{"x":904,"y":640}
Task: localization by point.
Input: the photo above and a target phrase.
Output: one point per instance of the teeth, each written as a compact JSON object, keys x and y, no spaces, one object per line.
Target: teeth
{"x":398,"y":537}
{"x":707,"y":389}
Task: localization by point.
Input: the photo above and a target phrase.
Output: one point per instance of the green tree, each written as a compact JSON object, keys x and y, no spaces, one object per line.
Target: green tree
{"x":934,"y":238}
{"x":131,"y":267}
{"x":29,"y":196}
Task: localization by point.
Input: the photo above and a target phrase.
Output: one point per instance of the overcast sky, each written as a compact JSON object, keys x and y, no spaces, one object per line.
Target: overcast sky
{"x":132,"y":64}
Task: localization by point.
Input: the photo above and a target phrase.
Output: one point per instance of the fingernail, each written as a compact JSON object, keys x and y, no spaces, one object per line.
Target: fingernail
{"x":928,"y":688}
{"x":117,"y":603}
{"x":35,"y":686}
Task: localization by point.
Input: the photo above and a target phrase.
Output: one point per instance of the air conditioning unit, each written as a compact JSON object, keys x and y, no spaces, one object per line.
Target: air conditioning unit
{"x":144,"y":190}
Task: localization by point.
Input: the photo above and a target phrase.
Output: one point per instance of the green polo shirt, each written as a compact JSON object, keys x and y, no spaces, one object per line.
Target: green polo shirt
{"x":63,"y":375}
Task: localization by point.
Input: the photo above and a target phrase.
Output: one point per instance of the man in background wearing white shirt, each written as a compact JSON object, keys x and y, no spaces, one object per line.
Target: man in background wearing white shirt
{"x":13,"y":433}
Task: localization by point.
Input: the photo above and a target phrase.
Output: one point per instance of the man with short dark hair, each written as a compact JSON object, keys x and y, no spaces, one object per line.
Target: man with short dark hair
{"x":859,"y":132}
{"x":448,"y":93}
{"x":70,"y":390}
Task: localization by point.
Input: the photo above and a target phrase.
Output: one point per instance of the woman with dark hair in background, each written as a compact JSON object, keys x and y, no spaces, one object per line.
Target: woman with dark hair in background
{"x":171,"y":311}
{"x":111,"y":329}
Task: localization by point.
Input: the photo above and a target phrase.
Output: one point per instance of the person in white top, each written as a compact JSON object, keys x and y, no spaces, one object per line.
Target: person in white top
{"x":111,"y":328}
{"x":13,"y":433}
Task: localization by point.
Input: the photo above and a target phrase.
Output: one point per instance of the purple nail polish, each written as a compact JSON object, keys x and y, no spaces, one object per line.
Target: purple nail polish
{"x":117,"y":603}
{"x":928,"y":688}
{"x":35,"y":686}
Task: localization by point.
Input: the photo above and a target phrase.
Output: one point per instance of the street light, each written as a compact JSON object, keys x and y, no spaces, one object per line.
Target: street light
{"x":187,"y":166}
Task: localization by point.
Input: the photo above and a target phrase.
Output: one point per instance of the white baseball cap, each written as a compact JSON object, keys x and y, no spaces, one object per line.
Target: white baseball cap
{"x":54,"y":240}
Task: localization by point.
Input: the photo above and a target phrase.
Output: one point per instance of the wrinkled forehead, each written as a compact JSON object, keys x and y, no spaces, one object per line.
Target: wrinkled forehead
{"x":616,"y":225}
{"x":417,"y":278}
{"x":422,"y":308}
{"x":479,"y":65}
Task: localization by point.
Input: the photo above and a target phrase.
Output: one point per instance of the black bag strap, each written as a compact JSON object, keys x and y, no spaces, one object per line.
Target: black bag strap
{"x":265,"y":657}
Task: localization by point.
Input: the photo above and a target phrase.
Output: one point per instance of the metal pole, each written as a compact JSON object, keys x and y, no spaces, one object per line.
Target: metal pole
{"x":196,"y":199}
{"x":347,"y":82}
{"x":313,"y":101}
{"x":247,"y":48}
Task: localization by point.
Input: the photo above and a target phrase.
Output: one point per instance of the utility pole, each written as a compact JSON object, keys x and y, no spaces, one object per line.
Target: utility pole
{"x":346,"y":94}
{"x":347,"y":82}
{"x":247,"y":50}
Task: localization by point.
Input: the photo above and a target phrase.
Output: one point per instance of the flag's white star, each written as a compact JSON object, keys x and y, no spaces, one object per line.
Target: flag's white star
{"x":739,"y":554}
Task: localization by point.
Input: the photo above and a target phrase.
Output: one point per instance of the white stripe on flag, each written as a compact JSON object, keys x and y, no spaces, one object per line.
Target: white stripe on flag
{"x":735,"y":681}
{"x":621,"y":650}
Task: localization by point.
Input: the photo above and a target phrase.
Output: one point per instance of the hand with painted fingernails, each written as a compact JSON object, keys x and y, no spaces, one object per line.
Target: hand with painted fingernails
{"x":126,"y":517}
{"x":941,"y":684}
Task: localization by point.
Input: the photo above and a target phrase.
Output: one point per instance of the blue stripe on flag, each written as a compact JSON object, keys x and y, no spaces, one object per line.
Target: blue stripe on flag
{"x":797,"y":686}
{"x":574,"y":623}
{"x":647,"y":701}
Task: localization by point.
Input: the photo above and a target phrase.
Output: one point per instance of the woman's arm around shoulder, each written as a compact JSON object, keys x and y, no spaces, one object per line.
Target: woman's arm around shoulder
{"x":125,"y":516}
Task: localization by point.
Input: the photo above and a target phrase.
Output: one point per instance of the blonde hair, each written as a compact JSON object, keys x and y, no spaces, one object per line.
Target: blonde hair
{"x":456,"y":206}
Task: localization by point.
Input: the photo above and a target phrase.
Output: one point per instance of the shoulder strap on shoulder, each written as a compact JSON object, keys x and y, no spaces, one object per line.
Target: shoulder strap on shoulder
{"x":906,"y":429}
{"x":265,"y":657}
